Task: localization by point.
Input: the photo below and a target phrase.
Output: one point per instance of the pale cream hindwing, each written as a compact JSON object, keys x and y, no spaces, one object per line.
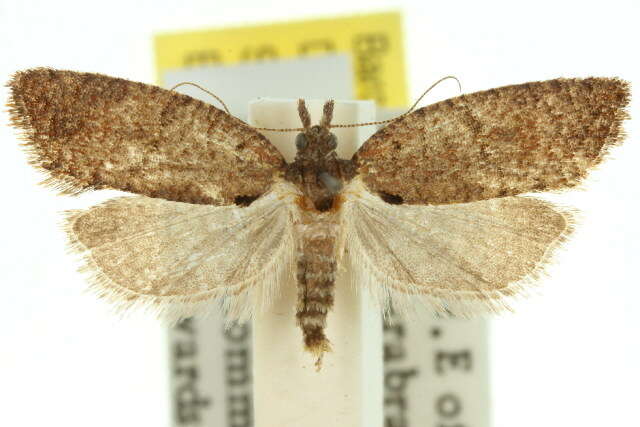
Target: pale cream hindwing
{"x":460,"y":259}
{"x":175,"y":258}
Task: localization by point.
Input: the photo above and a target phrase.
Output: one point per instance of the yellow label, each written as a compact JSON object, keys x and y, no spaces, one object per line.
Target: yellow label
{"x":373,"y":41}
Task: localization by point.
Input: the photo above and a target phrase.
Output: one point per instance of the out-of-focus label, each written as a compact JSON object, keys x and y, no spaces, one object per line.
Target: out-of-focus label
{"x":436,"y":373}
{"x":373,"y":41}
{"x":211,"y":374}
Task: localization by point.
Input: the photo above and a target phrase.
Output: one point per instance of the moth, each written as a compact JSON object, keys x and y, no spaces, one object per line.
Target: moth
{"x":430,"y":208}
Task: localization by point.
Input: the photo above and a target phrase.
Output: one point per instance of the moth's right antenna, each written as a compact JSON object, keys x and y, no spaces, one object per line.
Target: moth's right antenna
{"x":327,"y":114}
{"x":404,"y":114}
{"x":431,"y":87}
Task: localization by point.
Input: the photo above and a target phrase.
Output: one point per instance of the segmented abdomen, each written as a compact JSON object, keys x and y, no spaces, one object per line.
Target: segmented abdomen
{"x":316,"y":281}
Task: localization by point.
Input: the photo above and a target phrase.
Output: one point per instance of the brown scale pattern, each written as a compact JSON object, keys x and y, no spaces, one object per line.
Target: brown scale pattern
{"x":537,"y":136}
{"x":90,"y":131}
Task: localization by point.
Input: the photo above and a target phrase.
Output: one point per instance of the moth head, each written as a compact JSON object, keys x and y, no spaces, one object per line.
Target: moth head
{"x":315,"y":142}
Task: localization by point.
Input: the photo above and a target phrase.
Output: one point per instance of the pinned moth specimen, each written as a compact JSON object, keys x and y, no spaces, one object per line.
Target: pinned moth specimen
{"x":430,"y":207}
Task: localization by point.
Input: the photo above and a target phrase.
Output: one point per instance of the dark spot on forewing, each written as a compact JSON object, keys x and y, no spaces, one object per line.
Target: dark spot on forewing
{"x":392,"y":199}
{"x":244,"y":201}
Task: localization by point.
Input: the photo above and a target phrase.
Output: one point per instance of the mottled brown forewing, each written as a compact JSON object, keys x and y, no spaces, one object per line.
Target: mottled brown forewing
{"x":516,"y":139}
{"x":91,"y":131}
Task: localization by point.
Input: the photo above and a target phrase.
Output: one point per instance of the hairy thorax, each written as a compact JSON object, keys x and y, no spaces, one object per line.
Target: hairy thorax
{"x":317,"y":171}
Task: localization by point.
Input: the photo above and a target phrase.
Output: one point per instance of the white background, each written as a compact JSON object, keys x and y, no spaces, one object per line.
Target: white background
{"x":568,"y":357}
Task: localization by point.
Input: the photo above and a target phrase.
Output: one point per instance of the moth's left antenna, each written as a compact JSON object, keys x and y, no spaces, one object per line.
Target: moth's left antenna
{"x":305,"y":118}
{"x":204,"y":90}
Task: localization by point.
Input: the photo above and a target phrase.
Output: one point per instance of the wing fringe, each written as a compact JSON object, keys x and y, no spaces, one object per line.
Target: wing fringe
{"x":18,"y":116}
